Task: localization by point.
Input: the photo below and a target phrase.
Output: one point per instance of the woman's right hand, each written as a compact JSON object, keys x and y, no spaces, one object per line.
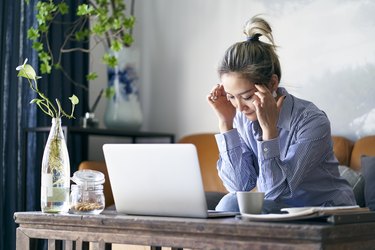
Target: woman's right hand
{"x":224,"y":110}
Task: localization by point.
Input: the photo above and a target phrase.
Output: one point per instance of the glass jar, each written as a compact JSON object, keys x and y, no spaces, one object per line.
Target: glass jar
{"x":87,"y":195}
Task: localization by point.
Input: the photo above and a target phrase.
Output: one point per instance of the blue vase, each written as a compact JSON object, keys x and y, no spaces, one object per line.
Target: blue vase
{"x":123,"y":110}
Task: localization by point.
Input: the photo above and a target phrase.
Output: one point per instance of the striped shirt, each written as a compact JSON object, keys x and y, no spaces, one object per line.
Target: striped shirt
{"x":297,"y":168}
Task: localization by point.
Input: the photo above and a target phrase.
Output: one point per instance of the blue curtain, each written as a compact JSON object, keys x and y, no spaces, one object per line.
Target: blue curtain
{"x":20,"y":183}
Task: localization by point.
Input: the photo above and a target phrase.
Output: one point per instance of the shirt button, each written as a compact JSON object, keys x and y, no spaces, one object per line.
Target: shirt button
{"x":265,"y":149}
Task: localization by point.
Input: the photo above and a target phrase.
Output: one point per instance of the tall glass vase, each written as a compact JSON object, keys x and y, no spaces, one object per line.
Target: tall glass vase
{"x":55,"y":172}
{"x":123,"y":110}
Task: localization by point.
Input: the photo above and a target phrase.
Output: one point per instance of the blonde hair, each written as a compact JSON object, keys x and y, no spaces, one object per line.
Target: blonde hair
{"x":255,"y":60}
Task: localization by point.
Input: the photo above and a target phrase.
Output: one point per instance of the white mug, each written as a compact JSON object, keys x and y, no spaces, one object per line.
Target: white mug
{"x":250,"y":202}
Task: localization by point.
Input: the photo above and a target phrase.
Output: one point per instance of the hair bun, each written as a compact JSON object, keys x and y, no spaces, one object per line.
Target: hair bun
{"x":256,"y":27}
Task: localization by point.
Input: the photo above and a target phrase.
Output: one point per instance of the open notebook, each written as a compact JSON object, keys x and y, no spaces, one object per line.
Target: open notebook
{"x":157,"y":179}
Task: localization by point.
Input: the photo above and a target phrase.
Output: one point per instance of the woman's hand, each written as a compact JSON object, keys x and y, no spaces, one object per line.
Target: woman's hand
{"x":223,"y":108}
{"x":267,"y":110}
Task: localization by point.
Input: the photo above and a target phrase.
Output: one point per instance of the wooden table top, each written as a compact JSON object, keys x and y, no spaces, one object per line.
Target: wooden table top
{"x":199,"y":233}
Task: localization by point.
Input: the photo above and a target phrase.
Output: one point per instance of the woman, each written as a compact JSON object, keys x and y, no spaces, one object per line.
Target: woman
{"x":269,"y":138}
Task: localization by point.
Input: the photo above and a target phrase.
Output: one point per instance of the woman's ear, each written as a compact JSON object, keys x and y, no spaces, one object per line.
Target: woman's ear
{"x":274,"y":83}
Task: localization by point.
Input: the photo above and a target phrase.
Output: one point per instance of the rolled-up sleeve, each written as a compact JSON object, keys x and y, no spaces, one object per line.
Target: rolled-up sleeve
{"x":236,"y":163}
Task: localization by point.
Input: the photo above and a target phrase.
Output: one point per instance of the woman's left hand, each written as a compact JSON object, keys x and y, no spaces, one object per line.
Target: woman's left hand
{"x":267,"y":110}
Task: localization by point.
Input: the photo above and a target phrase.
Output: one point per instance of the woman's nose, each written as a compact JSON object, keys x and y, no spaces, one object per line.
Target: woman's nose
{"x":241,"y":106}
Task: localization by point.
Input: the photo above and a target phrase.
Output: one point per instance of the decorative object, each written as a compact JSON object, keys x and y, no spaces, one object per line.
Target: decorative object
{"x":55,"y":172}
{"x":123,"y":109}
{"x":55,"y":176}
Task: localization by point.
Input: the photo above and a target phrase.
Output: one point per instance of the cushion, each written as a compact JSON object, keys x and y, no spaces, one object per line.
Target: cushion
{"x":364,"y":146}
{"x":342,"y":148}
{"x":356,"y":181}
{"x":368,"y":171}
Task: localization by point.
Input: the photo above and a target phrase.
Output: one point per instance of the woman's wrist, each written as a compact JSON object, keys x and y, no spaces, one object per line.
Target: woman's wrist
{"x":225,"y":126}
{"x":270,"y":134}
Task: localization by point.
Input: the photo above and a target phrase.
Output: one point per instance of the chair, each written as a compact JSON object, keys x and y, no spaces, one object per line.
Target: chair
{"x":101,"y":167}
{"x":208,"y":155}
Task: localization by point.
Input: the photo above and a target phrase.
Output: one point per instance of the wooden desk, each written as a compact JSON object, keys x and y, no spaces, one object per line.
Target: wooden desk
{"x":228,"y":233}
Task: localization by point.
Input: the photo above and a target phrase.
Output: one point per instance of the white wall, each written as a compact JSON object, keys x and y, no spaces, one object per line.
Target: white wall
{"x":327,"y":54}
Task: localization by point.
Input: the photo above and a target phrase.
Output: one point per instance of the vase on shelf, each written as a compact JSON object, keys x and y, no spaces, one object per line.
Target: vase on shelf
{"x":55,"y":177}
{"x":123,"y":109}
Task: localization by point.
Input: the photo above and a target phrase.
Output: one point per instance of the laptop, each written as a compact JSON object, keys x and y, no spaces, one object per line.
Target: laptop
{"x":157,"y":180}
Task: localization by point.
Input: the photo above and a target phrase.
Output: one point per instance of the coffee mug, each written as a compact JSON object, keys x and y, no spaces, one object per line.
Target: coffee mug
{"x":250,"y":202}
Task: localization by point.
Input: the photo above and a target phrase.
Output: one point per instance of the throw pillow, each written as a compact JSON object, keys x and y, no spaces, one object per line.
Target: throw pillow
{"x":368,"y":171}
{"x":356,"y":181}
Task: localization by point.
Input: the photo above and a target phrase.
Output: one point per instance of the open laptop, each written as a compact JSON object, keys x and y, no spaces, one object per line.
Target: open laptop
{"x":157,"y":179}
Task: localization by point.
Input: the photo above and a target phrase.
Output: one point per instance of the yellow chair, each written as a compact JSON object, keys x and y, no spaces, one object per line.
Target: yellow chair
{"x":208,"y":154}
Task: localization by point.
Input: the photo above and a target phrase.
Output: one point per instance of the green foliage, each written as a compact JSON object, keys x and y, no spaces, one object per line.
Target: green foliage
{"x":28,"y":72}
{"x":109,"y":25}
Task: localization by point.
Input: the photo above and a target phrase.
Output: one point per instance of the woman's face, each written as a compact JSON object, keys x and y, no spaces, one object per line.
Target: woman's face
{"x":240,"y":92}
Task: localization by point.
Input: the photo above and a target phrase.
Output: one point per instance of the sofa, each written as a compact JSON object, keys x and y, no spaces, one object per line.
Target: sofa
{"x":357,"y":166}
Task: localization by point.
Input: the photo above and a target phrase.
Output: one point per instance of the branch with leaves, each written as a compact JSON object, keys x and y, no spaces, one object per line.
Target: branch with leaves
{"x":28,"y":72}
{"x":109,"y":25}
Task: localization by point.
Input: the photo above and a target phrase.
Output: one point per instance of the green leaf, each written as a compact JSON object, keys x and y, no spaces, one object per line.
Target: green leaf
{"x":98,"y":29}
{"x":63,"y":8}
{"x":116,"y":46}
{"x":32,"y":34}
{"x":57,"y":66}
{"x":38,"y":46}
{"x":27,"y":71}
{"x":109,"y":92}
{"x":44,"y":56}
{"x":43,"y":28}
{"x":74,"y":99}
{"x":116,"y":24}
{"x":45,"y":68}
{"x":82,"y":35}
{"x":91,"y":76}
{"x":128,"y":39}
{"x":110,"y":60}
{"x":129,"y":22}
{"x":84,"y":9}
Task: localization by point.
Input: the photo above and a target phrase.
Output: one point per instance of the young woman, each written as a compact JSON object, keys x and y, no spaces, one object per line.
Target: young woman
{"x":269,"y":138}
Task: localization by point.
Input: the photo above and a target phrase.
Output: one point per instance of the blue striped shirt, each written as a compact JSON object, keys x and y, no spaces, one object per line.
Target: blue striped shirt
{"x":297,"y":168}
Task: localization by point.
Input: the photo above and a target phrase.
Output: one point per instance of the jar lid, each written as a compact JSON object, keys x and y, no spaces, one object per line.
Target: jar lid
{"x":88,"y":177}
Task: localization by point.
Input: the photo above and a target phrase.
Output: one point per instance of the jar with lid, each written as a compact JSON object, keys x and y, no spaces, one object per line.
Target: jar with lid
{"x":87,"y":195}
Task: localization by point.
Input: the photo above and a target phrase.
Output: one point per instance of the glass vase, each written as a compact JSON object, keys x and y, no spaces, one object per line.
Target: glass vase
{"x":55,"y":179}
{"x":123,"y":110}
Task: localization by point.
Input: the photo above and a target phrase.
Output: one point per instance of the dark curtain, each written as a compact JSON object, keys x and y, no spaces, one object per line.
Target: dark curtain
{"x":20,"y":177}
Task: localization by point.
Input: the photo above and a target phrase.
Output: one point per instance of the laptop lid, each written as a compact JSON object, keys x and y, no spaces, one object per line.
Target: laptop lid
{"x":156,"y":179}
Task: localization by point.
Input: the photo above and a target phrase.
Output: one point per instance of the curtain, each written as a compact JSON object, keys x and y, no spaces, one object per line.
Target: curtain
{"x":20,"y":174}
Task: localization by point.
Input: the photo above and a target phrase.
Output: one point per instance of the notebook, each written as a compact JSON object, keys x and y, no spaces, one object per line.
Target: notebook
{"x":157,"y":180}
